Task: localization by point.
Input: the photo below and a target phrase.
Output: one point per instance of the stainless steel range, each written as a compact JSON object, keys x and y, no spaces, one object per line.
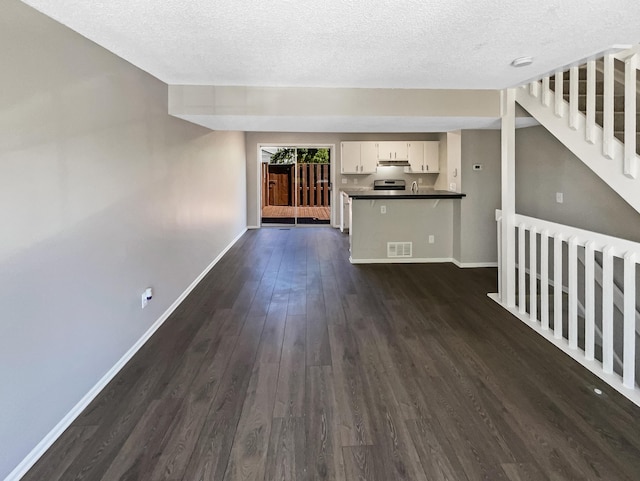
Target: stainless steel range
{"x":390,"y":184}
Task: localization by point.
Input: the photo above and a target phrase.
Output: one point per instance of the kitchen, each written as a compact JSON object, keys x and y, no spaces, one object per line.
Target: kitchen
{"x":390,"y":222}
{"x":462,"y":230}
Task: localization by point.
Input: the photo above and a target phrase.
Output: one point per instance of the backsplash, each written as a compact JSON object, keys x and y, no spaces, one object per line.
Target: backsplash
{"x":366,"y":181}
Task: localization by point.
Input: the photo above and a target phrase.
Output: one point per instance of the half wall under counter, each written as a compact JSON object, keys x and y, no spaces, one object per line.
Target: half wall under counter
{"x":400,"y":226}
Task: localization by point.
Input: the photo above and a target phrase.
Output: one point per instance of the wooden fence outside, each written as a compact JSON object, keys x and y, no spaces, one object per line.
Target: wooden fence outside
{"x":313,"y":185}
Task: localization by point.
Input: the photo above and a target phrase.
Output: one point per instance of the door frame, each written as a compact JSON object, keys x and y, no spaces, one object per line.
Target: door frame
{"x":332,"y":162}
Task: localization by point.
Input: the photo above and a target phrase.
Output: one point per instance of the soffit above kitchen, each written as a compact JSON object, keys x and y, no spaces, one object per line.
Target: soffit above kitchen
{"x":308,"y":109}
{"x":413,"y":44}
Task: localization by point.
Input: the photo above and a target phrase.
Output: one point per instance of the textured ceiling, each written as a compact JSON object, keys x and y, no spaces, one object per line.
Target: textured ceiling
{"x":447,"y":44}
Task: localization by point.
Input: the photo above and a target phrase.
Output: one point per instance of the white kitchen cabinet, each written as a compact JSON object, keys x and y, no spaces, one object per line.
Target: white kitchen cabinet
{"x":368,"y":157}
{"x":423,"y":158}
{"x":416,"y":157}
{"x":393,"y":150}
{"x":358,"y":157}
{"x":350,"y":157}
{"x":432,"y":156}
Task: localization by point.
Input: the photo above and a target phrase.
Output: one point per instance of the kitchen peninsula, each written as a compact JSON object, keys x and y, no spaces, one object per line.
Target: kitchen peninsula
{"x":401,"y":225}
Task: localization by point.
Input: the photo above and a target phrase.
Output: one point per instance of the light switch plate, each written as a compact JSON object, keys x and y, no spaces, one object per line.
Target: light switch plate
{"x":559,"y":197}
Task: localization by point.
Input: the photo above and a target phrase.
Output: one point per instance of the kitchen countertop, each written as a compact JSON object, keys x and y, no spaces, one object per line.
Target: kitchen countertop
{"x":402,"y":194}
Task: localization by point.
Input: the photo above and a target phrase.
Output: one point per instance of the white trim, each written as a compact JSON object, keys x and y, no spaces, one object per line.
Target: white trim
{"x":400,"y":260}
{"x":614,"y":380}
{"x":252,"y":227}
{"x":423,"y":260}
{"x":332,"y":165}
{"x":473,"y":265}
{"x":35,"y":454}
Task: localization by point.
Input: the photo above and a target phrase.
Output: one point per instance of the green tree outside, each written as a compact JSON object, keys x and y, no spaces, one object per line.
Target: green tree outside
{"x":305,"y":156}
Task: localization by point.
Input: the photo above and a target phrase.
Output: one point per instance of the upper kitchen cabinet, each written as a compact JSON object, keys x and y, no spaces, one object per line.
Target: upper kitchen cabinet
{"x":423,"y":158}
{"x":393,"y":150}
{"x":369,"y":157}
{"x":358,"y":157}
{"x":350,"y":157}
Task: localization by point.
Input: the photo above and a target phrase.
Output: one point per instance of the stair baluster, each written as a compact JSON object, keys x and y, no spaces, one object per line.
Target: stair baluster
{"x":607,"y":111}
{"x":630,"y":94}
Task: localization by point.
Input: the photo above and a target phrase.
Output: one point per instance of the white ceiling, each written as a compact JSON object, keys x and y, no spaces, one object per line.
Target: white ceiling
{"x":435,"y":44}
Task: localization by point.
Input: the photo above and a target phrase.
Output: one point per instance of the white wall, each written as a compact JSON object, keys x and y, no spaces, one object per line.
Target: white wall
{"x":101,"y":195}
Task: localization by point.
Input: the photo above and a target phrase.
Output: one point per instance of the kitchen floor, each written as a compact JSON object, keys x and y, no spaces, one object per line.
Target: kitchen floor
{"x":289,"y":363}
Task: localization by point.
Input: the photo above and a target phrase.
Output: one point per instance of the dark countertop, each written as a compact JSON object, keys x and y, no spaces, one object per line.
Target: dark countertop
{"x":403,"y":194}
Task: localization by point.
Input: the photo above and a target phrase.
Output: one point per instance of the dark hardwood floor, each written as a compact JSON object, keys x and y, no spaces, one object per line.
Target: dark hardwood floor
{"x":289,"y":363}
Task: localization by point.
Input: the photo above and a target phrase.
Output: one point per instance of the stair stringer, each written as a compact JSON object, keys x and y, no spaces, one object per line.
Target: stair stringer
{"x":609,"y":170}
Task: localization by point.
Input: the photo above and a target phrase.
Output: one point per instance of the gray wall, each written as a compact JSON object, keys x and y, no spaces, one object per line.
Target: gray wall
{"x":101,"y":195}
{"x":544,"y":166}
{"x":477,"y":242}
{"x":256,"y":138}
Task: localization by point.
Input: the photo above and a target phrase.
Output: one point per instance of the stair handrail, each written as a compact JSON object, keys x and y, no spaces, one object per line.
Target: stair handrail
{"x":532,"y":264}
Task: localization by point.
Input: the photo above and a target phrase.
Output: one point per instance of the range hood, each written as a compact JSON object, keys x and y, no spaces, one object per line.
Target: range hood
{"x":399,"y":163}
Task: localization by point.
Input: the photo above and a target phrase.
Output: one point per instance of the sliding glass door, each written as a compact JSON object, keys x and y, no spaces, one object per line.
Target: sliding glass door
{"x":295,"y":185}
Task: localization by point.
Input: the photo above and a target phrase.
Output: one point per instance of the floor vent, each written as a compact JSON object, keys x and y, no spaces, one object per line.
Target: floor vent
{"x":399,"y":249}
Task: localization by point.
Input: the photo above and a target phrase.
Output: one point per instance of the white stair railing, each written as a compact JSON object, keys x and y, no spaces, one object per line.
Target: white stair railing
{"x":541,"y":88}
{"x":588,"y":123}
{"x":541,"y":244}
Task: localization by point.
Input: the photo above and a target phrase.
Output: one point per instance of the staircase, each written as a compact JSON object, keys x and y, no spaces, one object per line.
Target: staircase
{"x":580,"y":290}
{"x":618,"y":97}
{"x":592,"y":108}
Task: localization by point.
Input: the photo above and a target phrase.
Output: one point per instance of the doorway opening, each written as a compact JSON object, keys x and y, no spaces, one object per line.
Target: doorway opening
{"x":295,"y":185}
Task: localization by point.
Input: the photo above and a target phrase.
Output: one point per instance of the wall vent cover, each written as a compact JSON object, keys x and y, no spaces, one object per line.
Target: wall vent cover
{"x":399,"y":249}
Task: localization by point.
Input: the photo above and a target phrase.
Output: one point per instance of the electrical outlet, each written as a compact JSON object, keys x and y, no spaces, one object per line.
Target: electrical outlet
{"x":432,"y":239}
{"x":452,"y":186}
{"x":344,"y":180}
{"x":383,"y":209}
{"x":477,"y":166}
{"x":559,"y":197}
{"x":146,"y":296}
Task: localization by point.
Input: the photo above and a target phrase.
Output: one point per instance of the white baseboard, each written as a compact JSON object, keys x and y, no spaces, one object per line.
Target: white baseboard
{"x":473,"y":265}
{"x":594,"y":366}
{"x":66,"y":421}
{"x":423,"y":260}
{"x":402,"y":260}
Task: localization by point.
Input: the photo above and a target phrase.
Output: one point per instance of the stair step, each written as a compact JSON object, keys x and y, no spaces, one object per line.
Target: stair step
{"x":618,"y":102}
{"x":618,"y":88}
{"x":620,"y":136}
{"x":618,"y":120}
